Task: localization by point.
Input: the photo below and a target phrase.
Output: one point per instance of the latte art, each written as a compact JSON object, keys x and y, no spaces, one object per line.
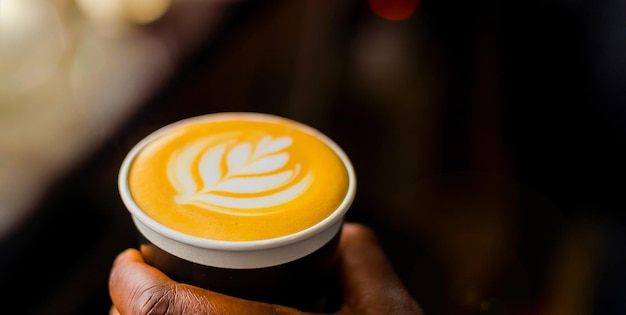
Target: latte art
{"x":237,"y":177}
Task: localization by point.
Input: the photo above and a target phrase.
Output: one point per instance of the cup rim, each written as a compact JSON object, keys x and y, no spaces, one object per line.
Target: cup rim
{"x":171,"y":233}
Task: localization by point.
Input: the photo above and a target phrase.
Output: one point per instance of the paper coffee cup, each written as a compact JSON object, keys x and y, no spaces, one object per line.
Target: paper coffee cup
{"x":247,"y":204}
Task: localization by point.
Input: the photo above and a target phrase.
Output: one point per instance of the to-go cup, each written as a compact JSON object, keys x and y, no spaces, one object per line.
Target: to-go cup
{"x":246,"y":204}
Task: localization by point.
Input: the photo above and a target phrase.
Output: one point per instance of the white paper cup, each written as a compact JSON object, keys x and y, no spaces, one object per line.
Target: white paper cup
{"x":295,"y":269}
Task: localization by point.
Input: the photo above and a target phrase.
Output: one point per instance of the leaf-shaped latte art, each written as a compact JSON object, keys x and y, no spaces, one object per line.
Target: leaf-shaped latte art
{"x":237,"y":177}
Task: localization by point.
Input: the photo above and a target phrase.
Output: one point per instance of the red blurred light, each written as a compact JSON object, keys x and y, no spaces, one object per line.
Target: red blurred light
{"x":393,"y":10}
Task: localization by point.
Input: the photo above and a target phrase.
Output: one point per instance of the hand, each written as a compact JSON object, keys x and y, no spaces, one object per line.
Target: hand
{"x":368,"y":282}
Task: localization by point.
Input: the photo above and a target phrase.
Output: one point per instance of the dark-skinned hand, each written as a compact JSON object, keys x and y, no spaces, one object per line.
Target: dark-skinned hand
{"x":369,"y":285}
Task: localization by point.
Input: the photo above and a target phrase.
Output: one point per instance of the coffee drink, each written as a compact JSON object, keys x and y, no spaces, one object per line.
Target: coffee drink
{"x":230,"y":196}
{"x":238,"y":178}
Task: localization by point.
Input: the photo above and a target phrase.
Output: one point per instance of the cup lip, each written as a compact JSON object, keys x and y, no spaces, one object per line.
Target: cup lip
{"x":225,"y":245}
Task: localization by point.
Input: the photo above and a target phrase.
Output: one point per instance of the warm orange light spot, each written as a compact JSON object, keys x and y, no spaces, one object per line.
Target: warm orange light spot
{"x":393,"y":10}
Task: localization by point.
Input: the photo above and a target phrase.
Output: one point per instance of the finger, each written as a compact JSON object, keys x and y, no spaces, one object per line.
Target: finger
{"x":137,"y":288}
{"x":369,"y":282}
{"x":113,"y":311}
{"x":129,"y":279}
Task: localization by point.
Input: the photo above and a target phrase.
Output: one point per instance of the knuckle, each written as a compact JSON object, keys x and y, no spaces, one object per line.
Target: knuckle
{"x":157,"y":300}
{"x":364,"y":232}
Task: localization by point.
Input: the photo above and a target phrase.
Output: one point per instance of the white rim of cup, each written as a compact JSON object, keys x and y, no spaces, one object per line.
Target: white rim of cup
{"x":166,"y":231}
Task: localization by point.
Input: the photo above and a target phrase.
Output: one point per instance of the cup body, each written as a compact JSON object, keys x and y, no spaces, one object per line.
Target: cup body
{"x":307,"y":283}
{"x":294,"y":269}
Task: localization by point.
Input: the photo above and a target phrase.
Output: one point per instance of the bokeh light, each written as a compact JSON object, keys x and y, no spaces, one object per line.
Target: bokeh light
{"x":32,"y":44}
{"x":394,"y":10}
{"x":122,"y":12}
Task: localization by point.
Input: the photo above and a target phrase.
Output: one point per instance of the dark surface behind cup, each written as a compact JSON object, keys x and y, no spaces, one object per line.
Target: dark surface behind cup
{"x":308,"y":283}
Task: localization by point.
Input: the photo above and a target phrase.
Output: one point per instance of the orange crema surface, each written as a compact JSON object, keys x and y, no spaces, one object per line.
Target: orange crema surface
{"x":238,"y":179}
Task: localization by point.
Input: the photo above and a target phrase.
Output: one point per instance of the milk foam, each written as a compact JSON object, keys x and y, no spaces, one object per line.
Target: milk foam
{"x":254,"y":175}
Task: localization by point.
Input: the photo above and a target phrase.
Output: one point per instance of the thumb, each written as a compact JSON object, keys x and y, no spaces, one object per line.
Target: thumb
{"x":140,"y":289}
{"x":369,"y":283}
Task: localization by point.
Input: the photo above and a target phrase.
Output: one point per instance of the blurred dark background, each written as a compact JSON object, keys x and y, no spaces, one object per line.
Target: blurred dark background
{"x":487,"y":136}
